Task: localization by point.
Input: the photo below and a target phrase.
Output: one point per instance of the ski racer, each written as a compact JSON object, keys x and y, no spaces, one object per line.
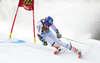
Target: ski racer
{"x":46,"y":35}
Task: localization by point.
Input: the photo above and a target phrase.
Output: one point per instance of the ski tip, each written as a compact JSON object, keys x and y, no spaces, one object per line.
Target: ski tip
{"x":79,"y":56}
{"x":55,"y":52}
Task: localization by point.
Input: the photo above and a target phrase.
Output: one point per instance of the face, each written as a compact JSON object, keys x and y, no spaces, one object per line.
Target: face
{"x":45,"y":25}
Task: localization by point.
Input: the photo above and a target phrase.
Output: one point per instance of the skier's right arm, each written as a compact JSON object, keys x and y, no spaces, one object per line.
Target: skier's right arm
{"x":39,"y":32}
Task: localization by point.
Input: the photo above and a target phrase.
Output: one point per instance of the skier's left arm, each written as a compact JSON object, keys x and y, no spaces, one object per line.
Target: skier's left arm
{"x":56,"y":31}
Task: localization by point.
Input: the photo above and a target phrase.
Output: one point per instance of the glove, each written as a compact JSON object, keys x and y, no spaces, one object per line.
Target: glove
{"x":42,"y":39}
{"x":45,"y":43}
{"x":59,"y":35}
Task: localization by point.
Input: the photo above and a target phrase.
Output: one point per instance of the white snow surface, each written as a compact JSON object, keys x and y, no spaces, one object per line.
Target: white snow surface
{"x":73,"y":18}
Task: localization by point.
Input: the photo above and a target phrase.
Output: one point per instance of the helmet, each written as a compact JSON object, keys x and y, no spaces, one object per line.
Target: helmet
{"x":48,"y":21}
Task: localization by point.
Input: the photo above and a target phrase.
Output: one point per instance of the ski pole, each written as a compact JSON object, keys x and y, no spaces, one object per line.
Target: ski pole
{"x":77,"y":41}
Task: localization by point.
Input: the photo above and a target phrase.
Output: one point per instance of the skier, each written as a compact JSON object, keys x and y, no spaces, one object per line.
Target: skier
{"x":46,"y":35}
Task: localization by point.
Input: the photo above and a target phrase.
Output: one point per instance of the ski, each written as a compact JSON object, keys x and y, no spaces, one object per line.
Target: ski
{"x":79,"y":54}
{"x":55,"y":52}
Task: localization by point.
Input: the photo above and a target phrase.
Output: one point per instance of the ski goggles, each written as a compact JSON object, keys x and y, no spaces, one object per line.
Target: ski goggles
{"x":47,"y":24}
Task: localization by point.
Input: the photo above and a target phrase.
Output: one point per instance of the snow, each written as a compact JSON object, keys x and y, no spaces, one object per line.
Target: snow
{"x":73,"y":18}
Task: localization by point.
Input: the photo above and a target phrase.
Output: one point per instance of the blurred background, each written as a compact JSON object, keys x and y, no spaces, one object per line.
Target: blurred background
{"x":74,"y":18}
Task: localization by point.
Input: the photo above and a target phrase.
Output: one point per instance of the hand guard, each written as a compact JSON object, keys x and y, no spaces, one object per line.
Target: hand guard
{"x":45,"y":43}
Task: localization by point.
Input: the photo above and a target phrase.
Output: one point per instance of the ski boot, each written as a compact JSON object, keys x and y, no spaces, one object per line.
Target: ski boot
{"x":57,"y":47}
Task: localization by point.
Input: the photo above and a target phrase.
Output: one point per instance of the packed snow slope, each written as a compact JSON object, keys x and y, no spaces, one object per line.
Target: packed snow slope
{"x":73,"y":18}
